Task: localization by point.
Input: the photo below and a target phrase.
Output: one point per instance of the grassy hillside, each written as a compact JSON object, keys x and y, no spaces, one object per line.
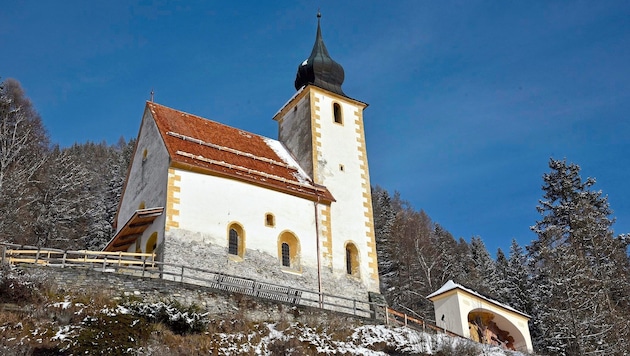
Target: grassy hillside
{"x":39,"y":318}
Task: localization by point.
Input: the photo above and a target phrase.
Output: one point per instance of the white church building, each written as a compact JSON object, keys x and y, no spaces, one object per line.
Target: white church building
{"x":293,"y":211}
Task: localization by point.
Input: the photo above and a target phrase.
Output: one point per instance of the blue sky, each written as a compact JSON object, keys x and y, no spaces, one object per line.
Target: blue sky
{"x":468,"y":99}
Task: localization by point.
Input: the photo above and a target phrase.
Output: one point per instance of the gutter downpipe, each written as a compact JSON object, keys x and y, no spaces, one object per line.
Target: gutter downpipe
{"x":319,"y":260}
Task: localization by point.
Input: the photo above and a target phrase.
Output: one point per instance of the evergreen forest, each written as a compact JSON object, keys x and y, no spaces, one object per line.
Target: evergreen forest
{"x":573,"y":279}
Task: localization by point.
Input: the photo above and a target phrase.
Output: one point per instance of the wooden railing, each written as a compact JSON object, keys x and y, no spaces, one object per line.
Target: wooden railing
{"x":393,"y":316}
{"x":54,"y":257}
{"x":145,"y":265}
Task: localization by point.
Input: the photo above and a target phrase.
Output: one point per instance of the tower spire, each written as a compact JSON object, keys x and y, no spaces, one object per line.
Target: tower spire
{"x":320,"y":69}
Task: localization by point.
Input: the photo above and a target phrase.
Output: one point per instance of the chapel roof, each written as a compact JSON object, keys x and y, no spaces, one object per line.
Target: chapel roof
{"x":196,"y":143}
{"x":450,"y":285}
{"x":320,"y":69}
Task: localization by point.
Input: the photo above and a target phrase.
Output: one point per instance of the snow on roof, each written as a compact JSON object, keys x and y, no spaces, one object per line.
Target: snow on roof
{"x":286,"y":156}
{"x":445,"y":288}
{"x":450,"y":285}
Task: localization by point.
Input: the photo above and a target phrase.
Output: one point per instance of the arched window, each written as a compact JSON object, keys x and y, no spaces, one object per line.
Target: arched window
{"x":233,"y":244}
{"x":142,"y":205}
{"x":348,"y":261}
{"x":236,"y":240}
{"x":289,"y":250}
{"x":286,"y":251}
{"x":352,"y":259}
{"x":337,"y":113}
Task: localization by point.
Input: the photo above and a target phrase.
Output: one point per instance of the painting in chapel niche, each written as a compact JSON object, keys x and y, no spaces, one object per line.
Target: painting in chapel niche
{"x":486,"y":331}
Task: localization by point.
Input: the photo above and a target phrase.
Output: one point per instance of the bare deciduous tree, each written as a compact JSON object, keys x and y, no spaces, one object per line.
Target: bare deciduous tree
{"x":23,"y":152}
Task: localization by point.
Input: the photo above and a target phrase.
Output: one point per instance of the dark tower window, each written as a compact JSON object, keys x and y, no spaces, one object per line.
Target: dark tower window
{"x":286,"y":259}
{"x":337,"y":113}
{"x":233,"y":243}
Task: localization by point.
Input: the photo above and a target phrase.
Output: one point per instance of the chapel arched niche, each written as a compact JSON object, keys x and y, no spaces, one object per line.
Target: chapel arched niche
{"x":491,"y":328}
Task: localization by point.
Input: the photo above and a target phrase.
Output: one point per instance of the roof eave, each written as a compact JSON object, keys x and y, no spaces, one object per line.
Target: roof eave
{"x":325,"y":197}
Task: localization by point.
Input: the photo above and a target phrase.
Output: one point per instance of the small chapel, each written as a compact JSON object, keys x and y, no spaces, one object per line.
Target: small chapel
{"x":295,"y":210}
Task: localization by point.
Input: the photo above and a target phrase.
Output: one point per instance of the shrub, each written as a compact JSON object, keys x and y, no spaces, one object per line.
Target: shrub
{"x":15,"y":287}
{"x":458,"y":347}
{"x":178,"y":318}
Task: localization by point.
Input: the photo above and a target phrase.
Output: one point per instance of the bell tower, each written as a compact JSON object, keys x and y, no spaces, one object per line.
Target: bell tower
{"x":323,"y":128}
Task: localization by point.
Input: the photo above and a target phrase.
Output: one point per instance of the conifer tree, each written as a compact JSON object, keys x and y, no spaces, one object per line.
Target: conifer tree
{"x":574,"y":263}
{"x":481,"y":273}
{"x":384,"y":216}
{"x":502,"y":288}
{"x":518,"y":280}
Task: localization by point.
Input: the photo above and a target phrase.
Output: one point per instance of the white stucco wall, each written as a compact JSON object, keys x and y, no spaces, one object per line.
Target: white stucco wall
{"x":335,"y":156}
{"x":448,"y":315}
{"x":147,"y":179}
{"x":342,"y":167}
{"x":209,"y":204}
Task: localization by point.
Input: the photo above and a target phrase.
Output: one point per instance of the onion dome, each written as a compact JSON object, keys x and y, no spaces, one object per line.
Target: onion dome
{"x":319,"y":69}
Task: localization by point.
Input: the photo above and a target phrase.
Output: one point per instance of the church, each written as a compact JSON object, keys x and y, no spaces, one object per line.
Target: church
{"x":293,"y":211}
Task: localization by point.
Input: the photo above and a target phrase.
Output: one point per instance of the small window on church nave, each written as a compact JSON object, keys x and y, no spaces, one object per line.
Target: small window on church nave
{"x":270,"y":220}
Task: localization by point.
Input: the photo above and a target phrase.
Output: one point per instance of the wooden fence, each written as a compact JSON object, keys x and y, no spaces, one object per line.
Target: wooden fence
{"x":145,"y":265}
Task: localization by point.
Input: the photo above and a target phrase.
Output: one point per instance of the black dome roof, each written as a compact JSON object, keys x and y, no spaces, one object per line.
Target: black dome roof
{"x":319,"y":69}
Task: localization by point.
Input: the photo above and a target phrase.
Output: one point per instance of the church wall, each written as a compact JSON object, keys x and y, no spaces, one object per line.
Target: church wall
{"x":147,"y":182}
{"x":208,"y":204}
{"x":183,"y":247}
{"x":342,"y":168}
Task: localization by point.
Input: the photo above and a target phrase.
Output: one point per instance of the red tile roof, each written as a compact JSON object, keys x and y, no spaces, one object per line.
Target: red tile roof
{"x":195,"y":143}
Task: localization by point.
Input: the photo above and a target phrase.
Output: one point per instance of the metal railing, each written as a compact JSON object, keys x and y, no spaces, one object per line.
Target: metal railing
{"x":145,"y":265}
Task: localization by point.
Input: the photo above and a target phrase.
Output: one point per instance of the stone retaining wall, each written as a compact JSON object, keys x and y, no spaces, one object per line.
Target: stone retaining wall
{"x":81,"y":280}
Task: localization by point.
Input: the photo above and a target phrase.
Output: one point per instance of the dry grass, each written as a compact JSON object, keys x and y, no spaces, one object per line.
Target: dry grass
{"x":89,"y":322}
